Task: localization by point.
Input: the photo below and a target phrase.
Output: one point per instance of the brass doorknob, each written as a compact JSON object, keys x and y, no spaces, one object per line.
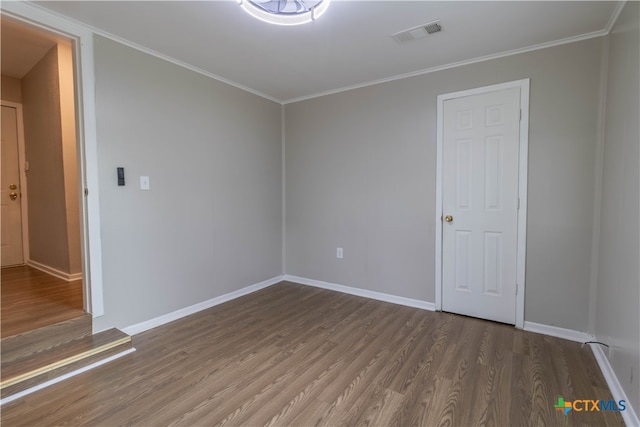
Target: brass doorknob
{"x":13,"y":187}
{"x":448,"y":218}
{"x":13,"y":195}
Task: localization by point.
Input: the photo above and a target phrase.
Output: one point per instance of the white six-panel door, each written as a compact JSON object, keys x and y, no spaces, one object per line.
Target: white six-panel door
{"x":480,"y":148}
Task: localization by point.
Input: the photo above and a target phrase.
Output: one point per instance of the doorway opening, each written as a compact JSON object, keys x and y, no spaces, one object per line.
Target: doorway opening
{"x":42,"y":244}
{"x":481,"y":201}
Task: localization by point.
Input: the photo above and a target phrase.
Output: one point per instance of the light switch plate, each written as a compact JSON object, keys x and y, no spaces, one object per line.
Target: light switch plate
{"x":144,"y":182}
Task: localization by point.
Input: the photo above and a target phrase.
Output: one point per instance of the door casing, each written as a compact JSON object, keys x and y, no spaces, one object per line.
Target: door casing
{"x":82,"y":41}
{"x":523,"y":85}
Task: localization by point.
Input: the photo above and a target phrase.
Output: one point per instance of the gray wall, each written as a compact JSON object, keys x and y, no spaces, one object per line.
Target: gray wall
{"x":618,"y":299}
{"x":212,"y":221}
{"x":360,"y":174}
{"x":50,"y":149}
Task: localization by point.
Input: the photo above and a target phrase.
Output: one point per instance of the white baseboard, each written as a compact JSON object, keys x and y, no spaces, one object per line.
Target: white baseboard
{"x":628,"y":415}
{"x":65,"y":376}
{"x":178,"y":314}
{"x":554,"y":331}
{"x":425,"y":305}
{"x":69,"y":277}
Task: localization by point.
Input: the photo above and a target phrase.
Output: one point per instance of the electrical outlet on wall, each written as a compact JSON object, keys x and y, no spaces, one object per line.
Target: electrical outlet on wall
{"x":339,"y":253}
{"x":144,"y":183}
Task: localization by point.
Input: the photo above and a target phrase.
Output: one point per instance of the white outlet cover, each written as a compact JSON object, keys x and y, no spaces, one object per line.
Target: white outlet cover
{"x":144,"y":183}
{"x":339,"y":253}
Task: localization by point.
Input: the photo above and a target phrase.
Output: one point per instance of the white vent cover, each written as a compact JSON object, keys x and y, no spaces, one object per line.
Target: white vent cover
{"x":419,"y":32}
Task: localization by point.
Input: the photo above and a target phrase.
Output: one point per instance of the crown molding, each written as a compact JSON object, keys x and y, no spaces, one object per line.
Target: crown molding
{"x":610,"y":24}
{"x":540,"y":46}
{"x":615,"y":15}
{"x":151,"y":52}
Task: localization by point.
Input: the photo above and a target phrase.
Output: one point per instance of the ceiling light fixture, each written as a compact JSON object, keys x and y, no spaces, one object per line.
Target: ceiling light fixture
{"x":285,"y":12}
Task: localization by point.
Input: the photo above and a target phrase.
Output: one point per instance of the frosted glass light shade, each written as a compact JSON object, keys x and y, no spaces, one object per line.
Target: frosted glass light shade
{"x":285,"y":12}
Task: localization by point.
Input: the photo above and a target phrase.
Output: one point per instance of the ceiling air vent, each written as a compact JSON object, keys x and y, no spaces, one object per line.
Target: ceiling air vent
{"x":418,"y":32}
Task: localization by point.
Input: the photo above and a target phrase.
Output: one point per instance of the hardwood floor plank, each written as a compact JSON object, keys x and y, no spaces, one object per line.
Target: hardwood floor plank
{"x":498,"y":382}
{"x":42,"y":339}
{"x":431,"y":358}
{"x":296,"y":355}
{"x":417,"y":405}
{"x":378,"y":407}
{"x":449,"y":411}
{"x":272,"y":400}
{"x":31,"y":299}
{"x":542,"y":397}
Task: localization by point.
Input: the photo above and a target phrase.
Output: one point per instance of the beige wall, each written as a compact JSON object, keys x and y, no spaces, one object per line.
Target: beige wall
{"x":11,"y":90}
{"x":69,"y":156}
{"x":212,"y":221}
{"x":618,"y":298}
{"x":50,"y":146}
{"x":360,"y":174}
{"x":48,"y":240}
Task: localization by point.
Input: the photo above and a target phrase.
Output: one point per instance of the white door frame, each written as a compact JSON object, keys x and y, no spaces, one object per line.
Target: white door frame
{"x":82,"y":42}
{"x":24,"y":205}
{"x":523,"y":85}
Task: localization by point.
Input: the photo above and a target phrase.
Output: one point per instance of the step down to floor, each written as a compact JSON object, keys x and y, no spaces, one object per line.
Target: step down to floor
{"x":39,"y":367}
{"x":45,"y":338}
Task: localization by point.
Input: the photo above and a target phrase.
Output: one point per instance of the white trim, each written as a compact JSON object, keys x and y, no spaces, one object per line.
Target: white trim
{"x":24,"y":202}
{"x":152,"y":52}
{"x":554,"y":331}
{"x":522,"y":197}
{"x":283,"y":177}
{"x":597,"y":186}
{"x":65,"y":376}
{"x":183,"y":312}
{"x":82,"y":40}
{"x":614,"y":16}
{"x":511,"y":52}
{"x":409,"y":302}
{"x":192,"y":309}
{"x":523,"y":85}
{"x":629,"y":415}
{"x":53,"y":271}
{"x":438,"y":213}
{"x":561,"y":42}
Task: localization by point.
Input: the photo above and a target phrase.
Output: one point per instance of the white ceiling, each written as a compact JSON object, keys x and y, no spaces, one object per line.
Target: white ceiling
{"x":349,"y":45}
{"x":22,"y":47}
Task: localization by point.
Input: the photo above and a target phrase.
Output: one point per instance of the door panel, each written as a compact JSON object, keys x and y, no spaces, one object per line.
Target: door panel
{"x":480,"y":193}
{"x":11,"y":237}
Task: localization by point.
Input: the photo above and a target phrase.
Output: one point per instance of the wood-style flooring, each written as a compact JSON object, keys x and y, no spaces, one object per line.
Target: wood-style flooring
{"x":292,"y":355}
{"x":31,"y":299}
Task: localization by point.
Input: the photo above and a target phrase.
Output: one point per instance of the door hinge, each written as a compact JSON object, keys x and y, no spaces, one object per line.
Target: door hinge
{"x":521,"y":114}
{"x":518,"y":204}
{"x":516,"y":289}
{"x":86,"y":192}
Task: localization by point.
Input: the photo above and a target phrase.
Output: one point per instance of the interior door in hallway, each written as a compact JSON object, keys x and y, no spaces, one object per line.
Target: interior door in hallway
{"x":12,"y":252}
{"x":480,"y":204}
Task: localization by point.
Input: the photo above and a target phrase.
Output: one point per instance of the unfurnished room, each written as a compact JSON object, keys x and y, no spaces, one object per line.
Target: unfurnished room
{"x":320,"y":212}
